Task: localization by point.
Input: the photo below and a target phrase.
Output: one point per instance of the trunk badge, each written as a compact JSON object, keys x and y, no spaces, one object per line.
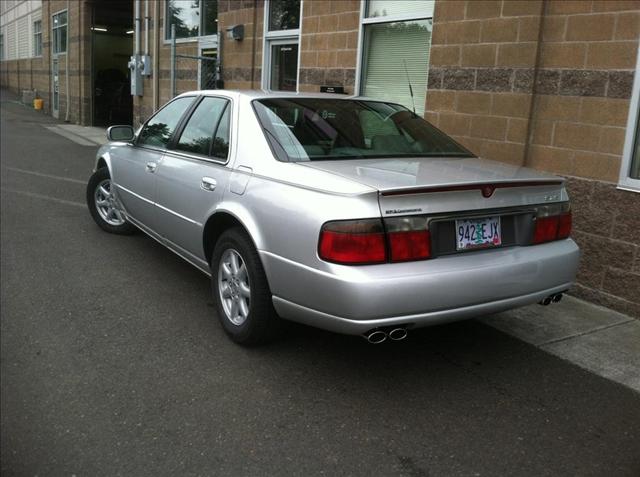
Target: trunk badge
{"x":487,"y":191}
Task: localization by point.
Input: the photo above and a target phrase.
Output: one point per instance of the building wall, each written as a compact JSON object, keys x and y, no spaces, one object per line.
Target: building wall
{"x":35,"y":73}
{"x":329,"y":44}
{"x":547,"y":85}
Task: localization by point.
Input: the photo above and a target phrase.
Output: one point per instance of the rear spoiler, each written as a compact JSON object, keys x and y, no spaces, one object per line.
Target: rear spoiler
{"x":487,"y":188}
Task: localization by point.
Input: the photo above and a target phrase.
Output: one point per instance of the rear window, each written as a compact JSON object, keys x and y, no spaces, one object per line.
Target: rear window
{"x":311,"y":129}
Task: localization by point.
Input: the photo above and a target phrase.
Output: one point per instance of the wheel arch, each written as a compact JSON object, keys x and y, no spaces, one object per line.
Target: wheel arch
{"x":103,"y":160}
{"x":224,"y":219}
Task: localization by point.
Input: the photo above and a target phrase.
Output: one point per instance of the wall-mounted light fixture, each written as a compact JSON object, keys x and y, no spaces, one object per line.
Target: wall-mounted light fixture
{"x":235,"y":32}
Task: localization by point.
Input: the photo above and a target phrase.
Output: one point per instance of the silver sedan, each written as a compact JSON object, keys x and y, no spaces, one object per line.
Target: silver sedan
{"x":348,"y":214}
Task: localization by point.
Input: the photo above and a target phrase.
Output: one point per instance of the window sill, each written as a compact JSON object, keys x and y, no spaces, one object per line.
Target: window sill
{"x":629,"y":184}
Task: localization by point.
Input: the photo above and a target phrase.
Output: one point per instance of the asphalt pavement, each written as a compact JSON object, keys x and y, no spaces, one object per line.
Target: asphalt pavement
{"x":112,"y":363}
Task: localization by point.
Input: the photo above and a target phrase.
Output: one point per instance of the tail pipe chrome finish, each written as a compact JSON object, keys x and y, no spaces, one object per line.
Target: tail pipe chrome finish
{"x":555,"y":298}
{"x":398,"y":334}
{"x":375,"y":336}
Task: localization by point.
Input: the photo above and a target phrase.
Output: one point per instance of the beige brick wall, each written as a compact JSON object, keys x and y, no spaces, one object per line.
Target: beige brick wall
{"x":578,"y":125}
{"x":547,"y":84}
{"x":480,"y":86}
{"x":329,"y":42}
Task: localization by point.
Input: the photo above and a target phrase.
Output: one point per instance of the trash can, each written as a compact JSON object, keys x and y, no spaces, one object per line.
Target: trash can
{"x":37,"y":103}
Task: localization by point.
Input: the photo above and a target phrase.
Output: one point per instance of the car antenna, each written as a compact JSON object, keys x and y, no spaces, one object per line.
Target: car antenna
{"x":404,"y":62}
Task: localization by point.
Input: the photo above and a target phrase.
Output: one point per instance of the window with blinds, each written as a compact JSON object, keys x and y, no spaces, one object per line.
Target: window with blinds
{"x":395,"y":54}
{"x":23,"y":38}
{"x":385,"y":8}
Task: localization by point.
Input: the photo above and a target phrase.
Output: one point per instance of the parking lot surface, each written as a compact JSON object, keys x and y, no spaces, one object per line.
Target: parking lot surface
{"x":112,"y":362}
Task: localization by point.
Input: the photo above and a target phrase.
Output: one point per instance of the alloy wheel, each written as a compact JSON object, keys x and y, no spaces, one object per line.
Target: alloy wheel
{"x":233,"y":287}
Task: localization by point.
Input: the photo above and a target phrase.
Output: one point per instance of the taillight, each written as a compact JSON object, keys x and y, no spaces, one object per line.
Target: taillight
{"x":353,"y":242}
{"x":564,"y":225}
{"x":409,"y":238}
{"x":364,"y":242}
{"x":553,"y":222}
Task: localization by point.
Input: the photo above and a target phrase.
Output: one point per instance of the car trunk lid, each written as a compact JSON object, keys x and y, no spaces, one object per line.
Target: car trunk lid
{"x":437,"y":185}
{"x":457,"y":197}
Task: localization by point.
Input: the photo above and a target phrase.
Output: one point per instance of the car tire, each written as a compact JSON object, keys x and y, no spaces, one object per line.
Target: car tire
{"x":241,"y":291}
{"x":102,"y":206}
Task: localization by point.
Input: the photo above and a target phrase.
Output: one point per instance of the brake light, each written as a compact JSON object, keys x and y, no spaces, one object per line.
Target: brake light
{"x":554,"y":227}
{"x":564,"y":226}
{"x":364,"y":242}
{"x":353,"y":242}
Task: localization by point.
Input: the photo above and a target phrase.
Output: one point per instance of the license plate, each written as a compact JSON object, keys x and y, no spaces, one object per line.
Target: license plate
{"x":478,"y":233}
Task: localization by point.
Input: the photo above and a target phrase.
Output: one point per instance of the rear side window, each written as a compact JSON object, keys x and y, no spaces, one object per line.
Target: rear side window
{"x":205,"y":124}
{"x":160,"y":127}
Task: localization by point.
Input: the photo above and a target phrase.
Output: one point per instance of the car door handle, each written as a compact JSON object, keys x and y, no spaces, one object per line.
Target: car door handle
{"x":151,"y":166}
{"x":208,"y":183}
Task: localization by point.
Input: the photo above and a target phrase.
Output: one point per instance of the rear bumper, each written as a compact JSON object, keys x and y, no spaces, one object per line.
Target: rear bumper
{"x":354,"y":300}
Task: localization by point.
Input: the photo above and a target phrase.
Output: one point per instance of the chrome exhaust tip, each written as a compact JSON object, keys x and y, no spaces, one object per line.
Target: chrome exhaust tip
{"x":398,"y":334}
{"x":546,"y":301}
{"x":376,"y":337}
{"x":557,"y":298}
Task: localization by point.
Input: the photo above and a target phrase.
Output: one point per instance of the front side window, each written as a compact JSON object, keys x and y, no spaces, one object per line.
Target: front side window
{"x":37,"y":38}
{"x":200,"y":134}
{"x":59,"y":32}
{"x":158,"y":130}
{"x":397,"y":40}
{"x":282,"y":40}
{"x":192,"y":18}
{"x":321,"y":129}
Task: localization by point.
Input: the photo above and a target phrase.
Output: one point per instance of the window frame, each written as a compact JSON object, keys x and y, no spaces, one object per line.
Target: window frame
{"x":279,"y":37}
{"x":167,"y":28}
{"x":2,"y":46}
{"x":178,"y":127}
{"x":364,"y":21}
{"x":631,"y":139}
{"x":53,"y":33}
{"x":37,"y":38}
{"x":173,"y":142}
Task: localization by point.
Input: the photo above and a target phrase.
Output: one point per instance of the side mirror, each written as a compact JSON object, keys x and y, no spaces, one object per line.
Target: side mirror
{"x":120,"y":133}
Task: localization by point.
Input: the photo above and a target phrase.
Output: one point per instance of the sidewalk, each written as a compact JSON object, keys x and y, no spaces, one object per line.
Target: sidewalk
{"x":600,"y":340}
{"x":83,"y":135}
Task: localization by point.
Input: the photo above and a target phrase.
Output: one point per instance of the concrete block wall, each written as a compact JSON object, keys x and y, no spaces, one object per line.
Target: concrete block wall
{"x":483,"y":58}
{"x":329,"y":44}
{"x":547,"y":84}
{"x":242,"y":60}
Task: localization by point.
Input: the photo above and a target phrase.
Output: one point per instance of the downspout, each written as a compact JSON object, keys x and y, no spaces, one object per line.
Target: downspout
{"x":136,"y":48}
{"x":146,"y":27}
{"x":156,"y":62}
{"x":66,"y":63}
{"x":80,"y":67}
{"x":253,"y":45}
{"x":526,"y":159}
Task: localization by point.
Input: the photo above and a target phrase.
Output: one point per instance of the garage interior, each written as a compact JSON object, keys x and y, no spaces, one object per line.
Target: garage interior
{"x":112,"y":46}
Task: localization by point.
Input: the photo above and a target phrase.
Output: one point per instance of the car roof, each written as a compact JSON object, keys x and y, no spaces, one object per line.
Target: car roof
{"x":262,"y":94}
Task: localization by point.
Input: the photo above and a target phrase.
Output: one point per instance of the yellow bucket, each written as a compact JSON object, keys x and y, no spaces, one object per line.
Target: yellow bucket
{"x":37,"y":103}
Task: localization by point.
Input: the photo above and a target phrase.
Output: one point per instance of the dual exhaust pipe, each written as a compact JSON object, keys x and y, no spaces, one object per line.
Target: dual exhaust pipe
{"x":555,"y":298}
{"x":379,"y":335}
